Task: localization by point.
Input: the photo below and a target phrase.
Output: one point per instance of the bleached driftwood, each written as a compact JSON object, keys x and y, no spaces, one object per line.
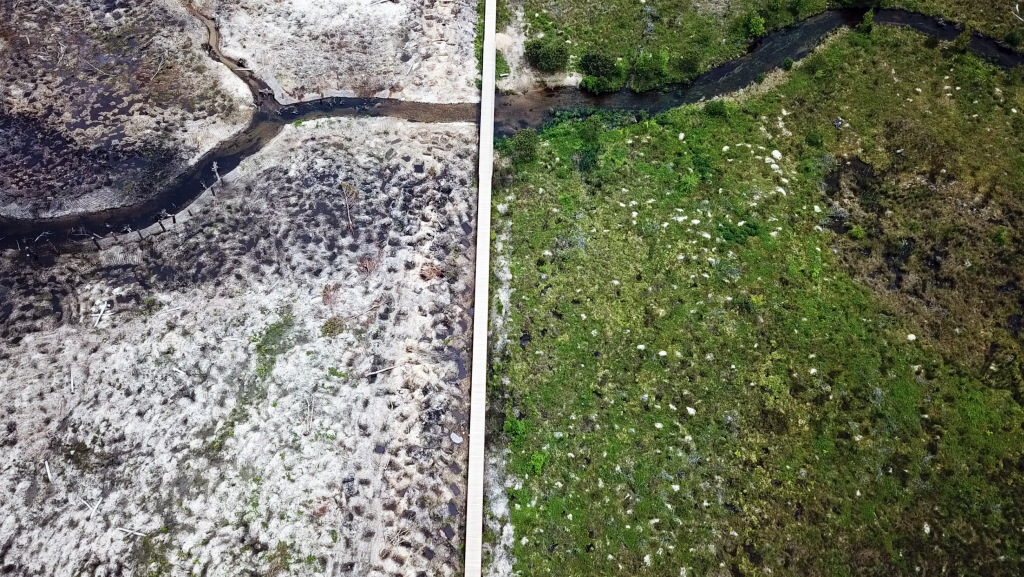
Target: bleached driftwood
{"x":382,"y":371}
{"x":99,"y":316}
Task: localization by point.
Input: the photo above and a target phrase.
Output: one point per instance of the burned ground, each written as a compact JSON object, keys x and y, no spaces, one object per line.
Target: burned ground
{"x":276,"y":383}
{"x":102,"y":102}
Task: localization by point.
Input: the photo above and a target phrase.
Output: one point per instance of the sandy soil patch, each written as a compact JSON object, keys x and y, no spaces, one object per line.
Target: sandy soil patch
{"x":309,"y":49}
{"x":523,"y":77}
{"x":278,"y":384}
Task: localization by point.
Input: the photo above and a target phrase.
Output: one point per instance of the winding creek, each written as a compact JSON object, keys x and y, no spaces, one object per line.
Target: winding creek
{"x":513,"y":112}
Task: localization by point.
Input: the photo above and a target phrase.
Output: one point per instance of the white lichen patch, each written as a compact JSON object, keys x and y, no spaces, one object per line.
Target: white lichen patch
{"x":309,"y":49}
{"x":273,"y":386}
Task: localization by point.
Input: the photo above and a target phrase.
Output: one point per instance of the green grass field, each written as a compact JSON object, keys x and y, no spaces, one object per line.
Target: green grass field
{"x":733,"y":352}
{"x":665,"y":41}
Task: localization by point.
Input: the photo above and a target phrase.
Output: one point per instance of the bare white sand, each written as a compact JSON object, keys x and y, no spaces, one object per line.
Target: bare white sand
{"x":309,"y":49}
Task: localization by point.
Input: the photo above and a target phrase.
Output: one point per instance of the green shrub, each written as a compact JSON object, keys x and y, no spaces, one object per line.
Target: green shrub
{"x":787,"y":64}
{"x":524,"y":146}
{"x":1015,"y":38}
{"x":857,"y":232}
{"x":1002,"y":236}
{"x":963,"y":41}
{"x":590,"y":131}
{"x":754,"y":25}
{"x":868,"y":23}
{"x":687,"y":184}
{"x":761,"y":78}
{"x":716,"y":108}
{"x":604,"y":73}
{"x":537,"y":461}
{"x":547,"y":54}
{"x":650,"y":71}
{"x":806,"y":8}
{"x":515,"y":429}
{"x":814,"y":139}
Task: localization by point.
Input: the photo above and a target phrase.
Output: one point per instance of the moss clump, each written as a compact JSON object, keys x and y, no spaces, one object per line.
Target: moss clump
{"x":273,"y":341}
{"x":515,"y":429}
{"x":333,"y":327}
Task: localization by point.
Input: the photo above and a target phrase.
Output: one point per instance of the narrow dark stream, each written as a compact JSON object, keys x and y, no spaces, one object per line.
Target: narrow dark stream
{"x":513,"y":112}
{"x":536,"y":108}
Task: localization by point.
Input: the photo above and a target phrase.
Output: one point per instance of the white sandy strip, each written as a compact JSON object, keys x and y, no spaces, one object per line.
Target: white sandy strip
{"x":478,"y":392}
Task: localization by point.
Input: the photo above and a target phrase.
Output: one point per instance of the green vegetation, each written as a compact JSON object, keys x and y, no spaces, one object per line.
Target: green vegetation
{"x":523,"y":147}
{"x":692,"y":37}
{"x":603,"y":73}
{"x":332,"y":327}
{"x":754,"y":341}
{"x":548,"y":54}
{"x":273,"y":341}
{"x":500,"y":65}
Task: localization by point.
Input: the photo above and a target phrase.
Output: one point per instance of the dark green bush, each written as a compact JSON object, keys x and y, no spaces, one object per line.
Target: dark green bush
{"x":716,"y":108}
{"x":787,"y":64}
{"x":1015,"y":38}
{"x":604,"y":73}
{"x":548,"y":54}
{"x":739,"y":234}
{"x":814,"y":138}
{"x":524,"y":146}
{"x":650,"y":71}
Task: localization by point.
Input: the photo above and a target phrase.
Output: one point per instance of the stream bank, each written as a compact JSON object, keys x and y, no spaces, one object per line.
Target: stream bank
{"x":513,"y":112}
